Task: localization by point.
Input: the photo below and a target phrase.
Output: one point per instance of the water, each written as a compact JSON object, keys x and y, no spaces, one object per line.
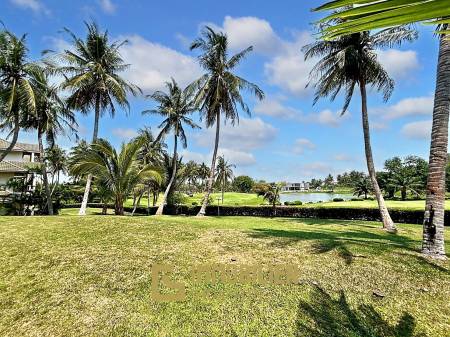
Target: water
{"x":314,"y":197}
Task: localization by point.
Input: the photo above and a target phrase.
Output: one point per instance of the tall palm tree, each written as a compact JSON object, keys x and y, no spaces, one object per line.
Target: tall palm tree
{"x":175,"y":105}
{"x":272,"y":196}
{"x":224,"y":173}
{"x":191,"y":171}
{"x":57,"y":162}
{"x":349,"y":62}
{"x":387,"y":13}
{"x":219,"y":89}
{"x":17,"y":95}
{"x":51,"y":118}
{"x":120,"y":172}
{"x":91,"y":69}
{"x":362,"y":186}
{"x":203,"y":174}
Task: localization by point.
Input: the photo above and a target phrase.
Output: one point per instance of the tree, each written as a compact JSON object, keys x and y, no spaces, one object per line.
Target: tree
{"x":119,"y":172}
{"x":57,"y":162}
{"x":191,"y":172}
{"x":175,"y":106}
{"x":388,"y":13}
{"x":224,"y":173}
{"x":362,"y":186}
{"x":51,"y":118}
{"x":17,"y":94}
{"x":272,"y":196}
{"x":329,"y":182}
{"x":91,"y":69}
{"x":243,"y":184}
{"x":219,"y":89}
{"x":349,"y":62}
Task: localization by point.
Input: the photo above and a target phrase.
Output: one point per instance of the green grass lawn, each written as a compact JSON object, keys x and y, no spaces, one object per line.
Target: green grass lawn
{"x":91,"y":276}
{"x":393,"y":204}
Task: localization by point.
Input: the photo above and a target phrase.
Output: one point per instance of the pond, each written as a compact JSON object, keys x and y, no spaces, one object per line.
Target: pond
{"x":314,"y":197}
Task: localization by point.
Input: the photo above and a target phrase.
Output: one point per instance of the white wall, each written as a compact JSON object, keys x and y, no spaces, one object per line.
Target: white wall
{"x":14,"y":156}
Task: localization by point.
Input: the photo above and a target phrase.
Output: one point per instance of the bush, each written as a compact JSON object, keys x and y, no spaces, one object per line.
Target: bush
{"x":338,"y":200}
{"x":243,"y":184}
{"x":176,"y":198}
{"x":293,"y":203}
{"x":195,"y":203}
{"x":355,"y":199}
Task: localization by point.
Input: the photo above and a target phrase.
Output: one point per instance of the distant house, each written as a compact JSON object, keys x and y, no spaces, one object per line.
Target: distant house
{"x":17,"y":163}
{"x":296,"y":187}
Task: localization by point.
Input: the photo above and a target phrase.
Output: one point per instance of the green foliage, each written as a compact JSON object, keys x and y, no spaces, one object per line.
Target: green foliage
{"x":338,"y":200}
{"x":243,"y":184}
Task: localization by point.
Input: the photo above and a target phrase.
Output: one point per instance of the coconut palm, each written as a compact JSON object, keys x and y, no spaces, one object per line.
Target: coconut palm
{"x":17,"y":94}
{"x":272,"y":196}
{"x":402,"y":180}
{"x":91,"y":69}
{"x":203,"y":174}
{"x":175,"y":105}
{"x":224,"y":173}
{"x":362,"y":186}
{"x":219,"y":89}
{"x":349,"y":62}
{"x":119,"y":172}
{"x":51,"y":119}
{"x":191,"y":172}
{"x":388,"y":13}
{"x":57,"y":162}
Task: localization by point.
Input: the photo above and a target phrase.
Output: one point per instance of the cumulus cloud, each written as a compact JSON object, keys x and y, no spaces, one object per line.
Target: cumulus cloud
{"x":414,"y":106}
{"x":301,"y":145}
{"x":249,"y":134}
{"x":153,"y":64}
{"x":35,"y":5}
{"x":342,"y":157}
{"x":417,"y":130}
{"x":236,"y":157}
{"x":124,"y":133}
{"x":398,"y":63}
{"x":314,"y":169}
{"x":107,"y":6}
{"x":275,"y":108}
{"x":326,"y":117}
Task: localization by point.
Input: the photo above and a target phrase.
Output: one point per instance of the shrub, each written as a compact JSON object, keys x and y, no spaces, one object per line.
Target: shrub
{"x":293,"y":203}
{"x":195,"y":203}
{"x":287,"y":203}
{"x":243,"y":184}
{"x":338,"y":200}
{"x":355,"y":199}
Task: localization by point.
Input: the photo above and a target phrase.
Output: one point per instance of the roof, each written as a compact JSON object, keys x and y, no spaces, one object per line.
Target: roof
{"x":16,"y":166}
{"x":20,"y":147}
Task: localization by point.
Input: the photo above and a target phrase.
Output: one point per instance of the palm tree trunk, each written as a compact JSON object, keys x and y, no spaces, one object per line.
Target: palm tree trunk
{"x":433,"y":225}
{"x":118,"y":206}
{"x":160,"y":209}
{"x":13,"y":141}
{"x":87,"y":189}
{"x":137,"y":203}
{"x":403,"y":193}
{"x":223,"y":188}
{"x":148,"y":200}
{"x":388,"y":224}
{"x":212,"y":171}
{"x":44,"y":174}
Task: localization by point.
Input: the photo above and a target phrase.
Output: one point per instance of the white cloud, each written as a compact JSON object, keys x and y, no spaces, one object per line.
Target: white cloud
{"x":124,"y":133}
{"x":414,"y":106}
{"x":247,"y":135}
{"x":273,"y":107}
{"x":34,"y":5}
{"x":315,"y":169}
{"x":107,"y":6}
{"x":398,"y":63}
{"x":417,"y":130}
{"x":236,"y":157}
{"x":153,"y":64}
{"x":342,"y":157}
{"x":327,"y":117}
{"x":303,"y":144}
{"x":378,"y":126}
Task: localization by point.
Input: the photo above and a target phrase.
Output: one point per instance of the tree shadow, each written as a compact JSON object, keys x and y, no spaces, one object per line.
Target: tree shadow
{"x":324,"y":316}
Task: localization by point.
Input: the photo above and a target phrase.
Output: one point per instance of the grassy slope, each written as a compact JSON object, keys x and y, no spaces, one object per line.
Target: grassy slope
{"x":90,"y":276}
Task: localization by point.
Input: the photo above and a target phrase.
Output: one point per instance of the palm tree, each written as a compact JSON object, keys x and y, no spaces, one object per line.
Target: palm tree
{"x":272,"y":196}
{"x":175,"y":106}
{"x":152,"y":152}
{"x":92,"y":77}
{"x":389,"y":13}
{"x":349,"y":62}
{"x":17,"y":95}
{"x":224,"y":173}
{"x":402,"y":180}
{"x":219,"y":89}
{"x":203,"y":174}
{"x":192,"y":172}
{"x":51,"y":118}
{"x":119,"y":172}
{"x":57,"y":161}
{"x":362,"y":186}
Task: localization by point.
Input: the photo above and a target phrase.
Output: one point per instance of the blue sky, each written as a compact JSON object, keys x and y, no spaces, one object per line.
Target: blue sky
{"x":286,"y":137}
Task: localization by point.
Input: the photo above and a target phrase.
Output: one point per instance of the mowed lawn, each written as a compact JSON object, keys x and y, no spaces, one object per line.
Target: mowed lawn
{"x":91,"y":276}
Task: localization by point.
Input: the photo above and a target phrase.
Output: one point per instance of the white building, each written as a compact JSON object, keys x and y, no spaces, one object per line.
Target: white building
{"x":17,"y":163}
{"x":296,"y":187}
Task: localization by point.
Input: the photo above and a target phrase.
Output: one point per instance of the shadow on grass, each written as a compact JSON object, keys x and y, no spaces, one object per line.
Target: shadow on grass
{"x":324,"y":316}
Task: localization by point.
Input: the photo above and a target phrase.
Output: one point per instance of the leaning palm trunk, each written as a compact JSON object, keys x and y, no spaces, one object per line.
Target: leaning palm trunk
{"x":87,"y":189}
{"x":160,"y":209}
{"x":13,"y":141}
{"x":138,"y":202}
{"x":433,"y":225}
{"x":388,"y":224}
{"x":212,"y":171}
{"x":44,"y":175}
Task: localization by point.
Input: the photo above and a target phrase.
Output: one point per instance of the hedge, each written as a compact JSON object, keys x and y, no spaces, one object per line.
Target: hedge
{"x":344,"y":213}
